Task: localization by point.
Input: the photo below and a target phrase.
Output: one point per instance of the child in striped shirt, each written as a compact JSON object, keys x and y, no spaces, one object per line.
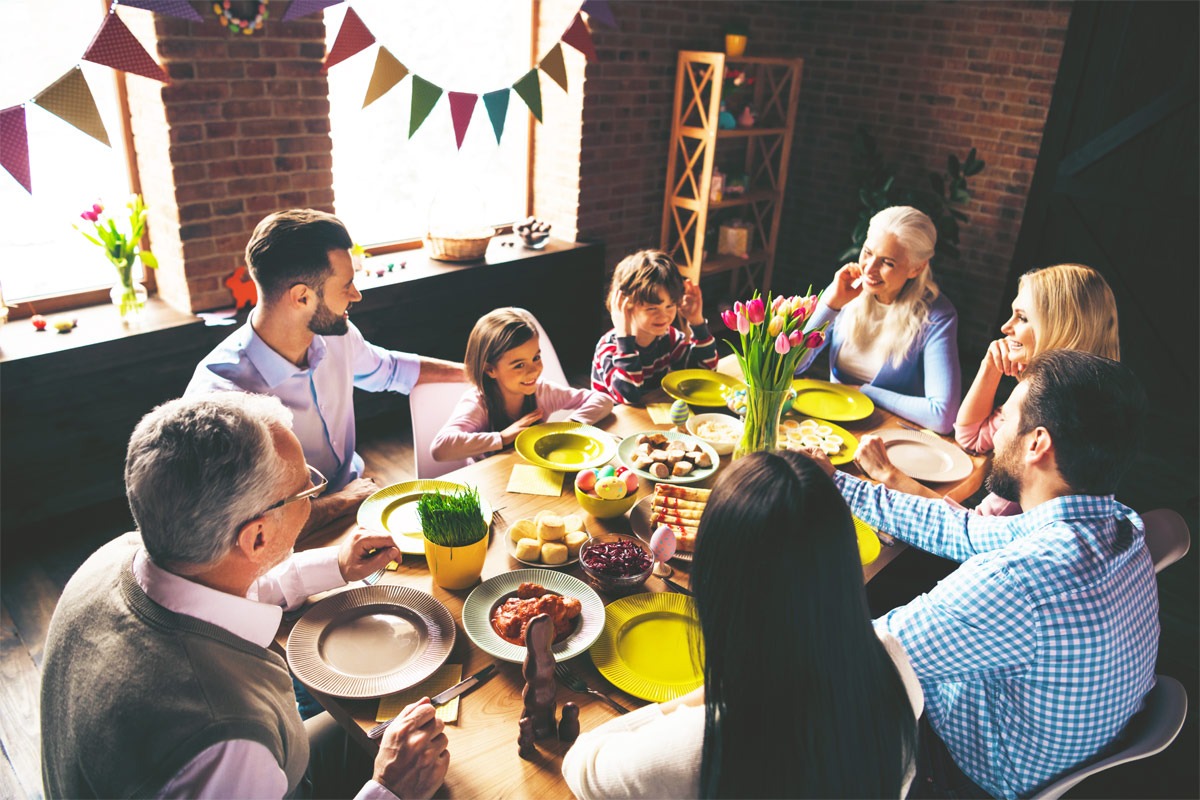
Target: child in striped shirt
{"x":647,"y":299}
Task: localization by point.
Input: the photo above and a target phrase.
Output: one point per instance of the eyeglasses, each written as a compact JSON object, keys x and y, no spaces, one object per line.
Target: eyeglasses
{"x":318,"y":481}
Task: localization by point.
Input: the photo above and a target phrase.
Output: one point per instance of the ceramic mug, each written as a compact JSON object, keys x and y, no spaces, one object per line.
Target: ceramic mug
{"x":456,"y":567}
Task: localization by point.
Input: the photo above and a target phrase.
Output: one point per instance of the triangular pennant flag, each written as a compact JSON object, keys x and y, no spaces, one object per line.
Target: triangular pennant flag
{"x":172,"y":8}
{"x":553,"y":66}
{"x":302,"y":8}
{"x":599,"y":12}
{"x":462,"y":106}
{"x":497,"y":107}
{"x":353,"y":37}
{"x":579,"y":37}
{"x":14,"y":145}
{"x":424,"y":97}
{"x":70,"y":98}
{"x":388,"y":72}
{"x":114,"y":46}
{"x":529,"y":89}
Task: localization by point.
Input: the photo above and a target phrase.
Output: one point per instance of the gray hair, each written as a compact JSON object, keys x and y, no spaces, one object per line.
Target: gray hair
{"x":197,"y":468}
{"x":912,"y":227}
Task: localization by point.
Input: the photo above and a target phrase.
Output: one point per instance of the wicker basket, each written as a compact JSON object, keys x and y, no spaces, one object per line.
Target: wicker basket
{"x":445,"y":248}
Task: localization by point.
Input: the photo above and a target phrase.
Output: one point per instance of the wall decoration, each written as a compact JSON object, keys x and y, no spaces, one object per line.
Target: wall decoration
{"x":352,"y":38}
{"x":424,"y":97}
{"x":302,"y":8}
{"x":14,"y":145}
{"x":530,"y":90}
{"x":245,"y":293}
{"x":70,"y":99}
{"x":554,"y":66}
{"x":236,"y":24}
{"x":387,"y":73}
{"x":599,"y":12}
{"x":497,"y":107}
{"x":172,"y":8}
{"x":114,"y":46}
{"x":579,"y":37}
{"x":462,"y":106}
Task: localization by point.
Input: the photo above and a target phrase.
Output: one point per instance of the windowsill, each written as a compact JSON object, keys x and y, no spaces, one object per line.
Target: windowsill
{"x":101,"y":323}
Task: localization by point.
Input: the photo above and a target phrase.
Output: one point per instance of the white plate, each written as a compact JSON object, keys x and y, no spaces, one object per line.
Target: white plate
{"x":512,"y":551}
{"x":924,"y":456}
{"x":477,"y":613}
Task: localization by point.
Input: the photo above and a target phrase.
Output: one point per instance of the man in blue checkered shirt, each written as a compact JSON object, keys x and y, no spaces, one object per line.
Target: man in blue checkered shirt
{"x":1037,"y":650}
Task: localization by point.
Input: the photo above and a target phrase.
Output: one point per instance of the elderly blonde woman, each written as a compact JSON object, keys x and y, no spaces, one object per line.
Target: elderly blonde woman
{"x":1064,"y":307}
{"x":893,"y":333}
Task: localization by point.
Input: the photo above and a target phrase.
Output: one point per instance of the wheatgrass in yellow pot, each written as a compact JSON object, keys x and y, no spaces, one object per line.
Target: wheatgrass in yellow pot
{"x":456,"y":539}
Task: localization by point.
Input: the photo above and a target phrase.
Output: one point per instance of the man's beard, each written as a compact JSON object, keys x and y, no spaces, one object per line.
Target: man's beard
{"x":1004,"y":481}
{"x":325,"y":323}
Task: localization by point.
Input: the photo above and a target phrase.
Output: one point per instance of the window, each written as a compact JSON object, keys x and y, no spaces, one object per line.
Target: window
{"x":41,"y":254}
{"x":388,"y":187}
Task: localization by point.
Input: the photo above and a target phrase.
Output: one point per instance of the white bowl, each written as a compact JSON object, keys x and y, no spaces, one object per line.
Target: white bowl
{"x":722,"y":446}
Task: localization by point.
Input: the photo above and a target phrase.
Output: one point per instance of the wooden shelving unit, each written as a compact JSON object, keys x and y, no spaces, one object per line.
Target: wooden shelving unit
{"x":698,"y":146}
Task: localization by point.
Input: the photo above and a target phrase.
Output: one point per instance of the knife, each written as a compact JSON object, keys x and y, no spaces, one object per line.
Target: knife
{"x":441,"y":698}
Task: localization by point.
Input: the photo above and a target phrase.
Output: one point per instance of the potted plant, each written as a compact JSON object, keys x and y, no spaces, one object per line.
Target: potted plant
{"x":736,"y":34}
{"x":456,"y":538}
{"x":122,"y":249}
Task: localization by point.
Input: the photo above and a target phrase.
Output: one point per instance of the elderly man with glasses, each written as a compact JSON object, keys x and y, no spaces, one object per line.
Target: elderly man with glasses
{"x":158,"y":679}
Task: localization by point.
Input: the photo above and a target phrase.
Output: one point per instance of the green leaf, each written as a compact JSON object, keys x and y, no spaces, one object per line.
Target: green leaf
{"x":961,"y":196}
{"x":959,"y":215}
{"x":952,"y":163}
{"x":938,"y":184}
{"x":973,"y":168}
{"x":148,"y":259}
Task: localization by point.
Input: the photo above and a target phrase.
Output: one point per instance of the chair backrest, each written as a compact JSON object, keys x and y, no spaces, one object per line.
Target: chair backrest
{"x":1148,"y":732}
{"x":1167,"y":537}
{"x":430,"y":405}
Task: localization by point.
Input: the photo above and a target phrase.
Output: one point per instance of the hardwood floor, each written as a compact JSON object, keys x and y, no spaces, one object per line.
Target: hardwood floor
{"x":36,"y":564}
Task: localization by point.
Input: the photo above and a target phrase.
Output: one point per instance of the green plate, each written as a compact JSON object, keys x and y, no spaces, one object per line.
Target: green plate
{"x":629,"y":444}
{"x":699,"y":387}
{"x":645,"y":648}
{"x":832,"y":401}
{"x":565,"y":446}
{"x":393,"y":510}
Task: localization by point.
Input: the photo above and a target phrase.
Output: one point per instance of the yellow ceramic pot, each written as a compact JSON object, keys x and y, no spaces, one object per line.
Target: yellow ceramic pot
{"x":735,"y":45}
{"x":456,"y":567}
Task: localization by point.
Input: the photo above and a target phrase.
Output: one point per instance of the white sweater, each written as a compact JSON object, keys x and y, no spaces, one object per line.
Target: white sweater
{"x":649,"y":754}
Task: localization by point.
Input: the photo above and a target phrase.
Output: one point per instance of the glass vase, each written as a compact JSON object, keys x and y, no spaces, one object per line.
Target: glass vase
{"x":130,"y":300}
{"x":761,"y":423}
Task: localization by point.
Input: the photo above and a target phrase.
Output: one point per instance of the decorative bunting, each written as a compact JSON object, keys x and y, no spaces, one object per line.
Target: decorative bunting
{"x":14,"y":145}
{"x":70,"y":98}
{"x":388,"y":72}
{"x":424,"y":97}
{"x":302,"y":8}
{"x":353,"y":37}
{"x":114,"y":46}
{"x":462,"y":106}
{"x":172,"y":8}
{"x":530,"y":90}
{"x":579,"y":37}
{"x":554,"y":66}
{"x":599,"y":12}
{"x":497,"y":107}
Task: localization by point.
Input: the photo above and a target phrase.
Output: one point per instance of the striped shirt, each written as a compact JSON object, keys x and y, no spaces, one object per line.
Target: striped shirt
{"x":1034,"y":653}
{"x":626,"y":372}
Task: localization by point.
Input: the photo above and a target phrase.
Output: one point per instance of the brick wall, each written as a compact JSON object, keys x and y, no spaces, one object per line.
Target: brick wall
{"x":927,"y":78}
{"x":245,"y":125}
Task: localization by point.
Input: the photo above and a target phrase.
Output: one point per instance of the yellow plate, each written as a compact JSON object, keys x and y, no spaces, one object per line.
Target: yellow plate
{"x":849,"y":442}
{"x":868,"y":542}
{"x":565,"y":446}
{"x":699,"y":387}
{"x":646,"y":646}
{"x":393,"y":509}
{"x":830,"y":400}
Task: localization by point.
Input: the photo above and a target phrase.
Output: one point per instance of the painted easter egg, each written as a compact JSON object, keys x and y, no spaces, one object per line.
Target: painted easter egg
{"x":586,"y":480}
{"x":679,"y":412}
{"x":631,"y":482}
{"x":610,"y":488}
{"x":662,"y":543}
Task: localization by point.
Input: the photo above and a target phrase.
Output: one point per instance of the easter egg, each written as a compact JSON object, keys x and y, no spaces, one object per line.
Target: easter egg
{"x":39,"y":322}
{"x":662,"y":543}
{"x":621,"y":470}
{"x":607,"y":472}
{"x":631,"y":482}
{"x":610,"y":488}
{"x":679,"y":412}
{"x":586,"y":480}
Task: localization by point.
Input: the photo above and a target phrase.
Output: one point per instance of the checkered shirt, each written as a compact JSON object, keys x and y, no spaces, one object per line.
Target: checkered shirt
{"x":1034,"y":653}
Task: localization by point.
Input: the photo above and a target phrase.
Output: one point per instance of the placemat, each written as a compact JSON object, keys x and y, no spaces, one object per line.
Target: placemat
{"x":660,"y":413}
{"x":446,"y":676}
{"x":528,"y":479}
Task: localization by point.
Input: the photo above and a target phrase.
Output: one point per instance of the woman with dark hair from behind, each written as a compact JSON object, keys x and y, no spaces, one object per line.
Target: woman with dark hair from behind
{"x":802,"y":697}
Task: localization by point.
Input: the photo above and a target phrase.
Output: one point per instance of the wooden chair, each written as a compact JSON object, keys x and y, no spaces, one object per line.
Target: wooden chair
{"x":1167,"y":537}
{"x":1148,"y":732}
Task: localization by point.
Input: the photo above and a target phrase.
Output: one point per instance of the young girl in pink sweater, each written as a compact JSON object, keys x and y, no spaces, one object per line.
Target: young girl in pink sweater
{"x":504,"y":362}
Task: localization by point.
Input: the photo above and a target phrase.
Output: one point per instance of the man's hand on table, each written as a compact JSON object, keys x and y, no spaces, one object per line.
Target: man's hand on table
{"x":413,"y":758}
{"x":355,"y":559}
{"x":818,"y":455}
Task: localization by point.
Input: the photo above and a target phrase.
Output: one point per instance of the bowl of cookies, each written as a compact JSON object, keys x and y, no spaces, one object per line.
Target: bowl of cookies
{"x":547,"y":540}
{"x":721,"y":431}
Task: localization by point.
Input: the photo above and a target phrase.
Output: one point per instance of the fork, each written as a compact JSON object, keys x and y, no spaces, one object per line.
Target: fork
{"x":577,"y":684}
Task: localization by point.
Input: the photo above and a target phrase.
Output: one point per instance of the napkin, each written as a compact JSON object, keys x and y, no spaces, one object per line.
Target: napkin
{"x":442,"y":679}
{"x":528,"y":479}
{"x":660,"y":413}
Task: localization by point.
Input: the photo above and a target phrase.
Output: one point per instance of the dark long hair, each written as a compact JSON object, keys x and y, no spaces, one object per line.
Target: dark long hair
{"x":801,"y":698}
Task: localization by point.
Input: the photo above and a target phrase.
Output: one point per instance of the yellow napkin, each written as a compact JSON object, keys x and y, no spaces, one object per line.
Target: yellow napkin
{"x":446,"y":676}
{"x":528,"y":479}
{"x":660,"y":413}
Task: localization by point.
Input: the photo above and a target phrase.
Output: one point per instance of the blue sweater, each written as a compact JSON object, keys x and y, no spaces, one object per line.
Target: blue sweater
{"x":926,"y":386}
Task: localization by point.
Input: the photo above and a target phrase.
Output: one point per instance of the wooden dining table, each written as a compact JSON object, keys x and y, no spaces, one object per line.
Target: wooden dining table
{"x":483,"y":741}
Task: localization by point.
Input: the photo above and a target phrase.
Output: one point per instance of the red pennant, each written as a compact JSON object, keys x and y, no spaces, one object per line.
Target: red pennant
{"x":462,"y":106}
{"x":579,"y":37}
{"x":14,"y":145}
{"x":353,"y":37}
{"x":114,"y":46}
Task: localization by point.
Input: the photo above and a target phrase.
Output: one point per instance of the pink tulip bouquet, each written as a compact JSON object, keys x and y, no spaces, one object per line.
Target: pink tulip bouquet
{"x":773,"y":341}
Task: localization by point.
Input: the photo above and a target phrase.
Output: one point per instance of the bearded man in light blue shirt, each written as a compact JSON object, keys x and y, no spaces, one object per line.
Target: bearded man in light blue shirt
{"x":300,"y":346}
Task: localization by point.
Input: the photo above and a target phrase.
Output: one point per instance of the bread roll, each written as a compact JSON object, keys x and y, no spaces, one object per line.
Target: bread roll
{"x":554,"y":553}
{"x":522,"y":529}
{"x":574,"y":541}
{"x":529,"y":550}
{"x":550,"y":528}
{"x":573,"y":522}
